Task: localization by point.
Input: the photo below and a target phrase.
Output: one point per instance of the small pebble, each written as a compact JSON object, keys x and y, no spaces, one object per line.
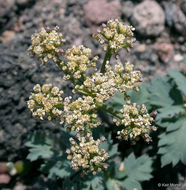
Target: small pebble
{"x":178,"y":58}
{"x":141,"y":48}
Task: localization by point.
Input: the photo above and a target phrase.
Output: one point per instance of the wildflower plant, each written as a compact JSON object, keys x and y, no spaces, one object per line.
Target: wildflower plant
{"x":95,"y":84}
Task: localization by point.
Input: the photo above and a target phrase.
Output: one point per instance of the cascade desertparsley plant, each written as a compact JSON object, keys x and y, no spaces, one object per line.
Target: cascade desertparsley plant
{"x":95,"y":86}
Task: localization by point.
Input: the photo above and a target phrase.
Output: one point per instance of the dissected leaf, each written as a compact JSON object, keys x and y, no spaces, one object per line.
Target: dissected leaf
{"x":169,"y":111}
{"x":68,"y":184}
{"x":113,"y":184}
{"x":118,"y":171}
{"x":131,"y":184}
{"x":141,"y":97}
{"x":138,"y":169}
{"x":45,"y":146}
{"x":39,"y":152}
{"x":159,"y":90}
{"x":135,"y":170}
{"x":172,"y":143}
{"x":95,"y":182}
{"x":180,"y":80}
{"x":40,"y":147}
{"x":57,"y":166}
{"x":109,"y":147}
{"x":116,"y":102}
{"x":39,"y":138}
{"x":156,"y":93}
{"x":88,"y":182}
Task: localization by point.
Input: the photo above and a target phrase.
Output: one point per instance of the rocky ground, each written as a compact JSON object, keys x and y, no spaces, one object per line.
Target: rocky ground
{"x":161,"y":45}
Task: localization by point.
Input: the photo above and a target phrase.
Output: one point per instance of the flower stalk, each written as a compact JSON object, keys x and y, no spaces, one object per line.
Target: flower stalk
{"x":107,"y":58}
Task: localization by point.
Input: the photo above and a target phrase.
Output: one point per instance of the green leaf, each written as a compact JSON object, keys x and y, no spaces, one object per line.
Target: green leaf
{"x":135,"y":171}
{"x":40,"y":147}
{"x":159,"y":89}
{"x":38,"y":139}
{"x":95,"y":182}
{"x":69,"y":185}
{"x":46,"y":146}
{"x":38,"y":152}
{"x":88,"y":182}
{"x":120,"y":174}
{"x":116,"y":102}
{"x":170,"y":111}
{"x":172,"y":143}
{"x":141,"y":97}
{"x":109,"y":147}
{"x":170,"y":126}
{"x":113,"y":184}
{"x":138,"y":169}
{"x":180,"y":80}
{"x":57,"y":166}
{"x":131,"y":184}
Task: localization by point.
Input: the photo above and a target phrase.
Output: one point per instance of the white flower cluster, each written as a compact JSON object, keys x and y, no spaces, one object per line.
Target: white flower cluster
{"x":135,"y":121}
{"x":78,"y":62}
{"x":102,"y":86}
{"x":80,"y":115}
{"x":46,"y":43}
{"x":126,"y":78}
{"x":45,"y":101}
{"x":116,"y":35}
{"x":87,"y":155}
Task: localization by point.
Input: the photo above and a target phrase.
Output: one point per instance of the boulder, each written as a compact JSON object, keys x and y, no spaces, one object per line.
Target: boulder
{"x":148,"y":18}
{"x":99,"y":11}
{"x":175,"y":18}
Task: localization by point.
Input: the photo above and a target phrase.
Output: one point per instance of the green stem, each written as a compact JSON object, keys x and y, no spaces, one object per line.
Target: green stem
{"x":109,"y":110}
{"x":72,"y":80}
{"x":84,"y":93}
{"x":107,"y":57}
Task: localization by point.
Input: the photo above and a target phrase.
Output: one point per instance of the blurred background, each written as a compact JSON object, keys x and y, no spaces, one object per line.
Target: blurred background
{"x":160,"y":45}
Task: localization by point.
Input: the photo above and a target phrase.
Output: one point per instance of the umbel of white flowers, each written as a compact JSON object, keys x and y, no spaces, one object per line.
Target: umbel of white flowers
{"x":95,"y":86}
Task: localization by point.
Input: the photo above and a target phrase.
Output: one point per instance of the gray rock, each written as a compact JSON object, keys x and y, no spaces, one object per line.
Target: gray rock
{"x":24,"y":3}
{"x":98,"y":11}
{"x":127,"y":9}
{"x":183,"y":6}
{"x":148,"y":18}
{"x":180,"y":21}
{"x":175,"y":18}
{"x":6,"y":12}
